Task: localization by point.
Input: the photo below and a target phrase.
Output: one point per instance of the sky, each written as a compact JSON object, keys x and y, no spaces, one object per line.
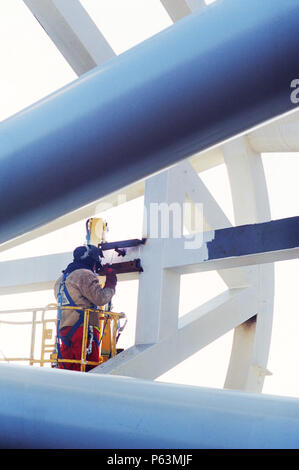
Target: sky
{"x":31,"y":68}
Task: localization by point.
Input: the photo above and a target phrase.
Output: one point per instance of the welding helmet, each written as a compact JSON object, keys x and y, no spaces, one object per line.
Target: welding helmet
{"x":89,"y":255}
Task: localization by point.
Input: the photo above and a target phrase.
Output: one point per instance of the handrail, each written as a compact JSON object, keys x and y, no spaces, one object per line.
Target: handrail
{"x":103,"y":315}
{"x":24,"y":310}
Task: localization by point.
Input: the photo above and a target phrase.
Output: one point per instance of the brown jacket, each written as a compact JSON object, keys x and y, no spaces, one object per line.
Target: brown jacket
{"x":84,"y":288}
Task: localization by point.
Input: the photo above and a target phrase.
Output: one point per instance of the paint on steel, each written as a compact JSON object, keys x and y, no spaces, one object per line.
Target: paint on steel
{"x":282,"y":234}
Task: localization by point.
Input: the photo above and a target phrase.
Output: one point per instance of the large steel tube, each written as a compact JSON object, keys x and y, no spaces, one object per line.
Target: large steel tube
{"x":210,"y":76}
{"x":47,"y":408}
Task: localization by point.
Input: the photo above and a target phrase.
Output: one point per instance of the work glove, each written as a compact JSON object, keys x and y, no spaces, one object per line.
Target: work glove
{"x":111,"y":279}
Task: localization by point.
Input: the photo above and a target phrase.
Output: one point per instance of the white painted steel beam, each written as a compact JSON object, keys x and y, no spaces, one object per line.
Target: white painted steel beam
{"x":251,"y":342}
{"x":159,"y":290}
{"x":41,"y":272}
{"x":214,"y":217}
{"x":32,"y":274}
{"x":38,"y":272}
{"x":198,"y":192}
{"x":196,"y":330}
{"x":203,"y":161}
{"x":279,"y":136}
{"x":247,"y":181}
{"x":195,"y":5}
{"x":73,"y":32}
{"x":176,"y":9}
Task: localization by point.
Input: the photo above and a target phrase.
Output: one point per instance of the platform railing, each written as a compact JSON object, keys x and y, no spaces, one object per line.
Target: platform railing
{"x":108,"y":334}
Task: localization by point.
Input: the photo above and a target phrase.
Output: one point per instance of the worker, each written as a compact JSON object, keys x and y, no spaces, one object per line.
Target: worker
{"x":79,"y":286}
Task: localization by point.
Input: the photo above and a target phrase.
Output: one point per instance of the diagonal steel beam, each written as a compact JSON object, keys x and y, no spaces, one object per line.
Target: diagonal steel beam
{"x":213,"y":216}
{"x":176,"y":9}
{"x":73,"y":32}
{"x":195,"y":330}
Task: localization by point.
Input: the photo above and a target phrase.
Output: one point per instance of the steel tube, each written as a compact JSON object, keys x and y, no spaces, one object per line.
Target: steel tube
{"x":52,"y":409}
{"x":207,"y":78}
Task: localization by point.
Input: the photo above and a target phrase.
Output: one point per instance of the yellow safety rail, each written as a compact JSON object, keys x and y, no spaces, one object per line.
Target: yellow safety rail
{"x":108,"y":329}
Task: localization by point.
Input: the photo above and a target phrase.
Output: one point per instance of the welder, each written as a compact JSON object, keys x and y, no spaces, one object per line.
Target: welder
{"x":79,"y":286}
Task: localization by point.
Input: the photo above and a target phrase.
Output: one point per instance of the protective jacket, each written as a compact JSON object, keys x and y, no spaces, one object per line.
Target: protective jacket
{"x":84,"y":288}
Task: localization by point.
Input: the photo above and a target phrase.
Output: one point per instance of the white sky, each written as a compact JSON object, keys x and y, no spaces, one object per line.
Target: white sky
{"x":31,"y":68}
